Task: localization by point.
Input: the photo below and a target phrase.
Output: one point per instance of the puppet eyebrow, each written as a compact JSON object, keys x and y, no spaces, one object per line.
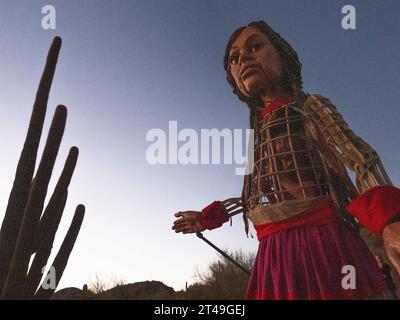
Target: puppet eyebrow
{"x":250,"y":38}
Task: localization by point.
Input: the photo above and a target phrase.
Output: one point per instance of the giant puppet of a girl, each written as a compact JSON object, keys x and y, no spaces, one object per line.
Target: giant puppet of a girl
{"x":299,"y":196}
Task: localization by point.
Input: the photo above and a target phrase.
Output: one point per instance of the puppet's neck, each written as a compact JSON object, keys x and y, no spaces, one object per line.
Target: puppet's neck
{"x":268,"y":97}
{"x":276,"y":103}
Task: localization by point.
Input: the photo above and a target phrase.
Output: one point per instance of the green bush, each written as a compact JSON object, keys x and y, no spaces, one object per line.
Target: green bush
{"x":222,"y":280}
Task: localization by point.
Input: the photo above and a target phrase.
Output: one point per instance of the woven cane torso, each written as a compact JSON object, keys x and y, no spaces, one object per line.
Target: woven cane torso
{"x":288,"y":175}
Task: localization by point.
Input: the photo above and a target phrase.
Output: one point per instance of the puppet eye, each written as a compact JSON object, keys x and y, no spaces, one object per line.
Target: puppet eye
{"x":234,"y":58}
{"x":255,"y":46}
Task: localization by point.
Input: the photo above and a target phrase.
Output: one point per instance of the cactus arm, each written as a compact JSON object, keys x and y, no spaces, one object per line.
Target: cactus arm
{"x":61,"y":259}
{"x":49,"y":222}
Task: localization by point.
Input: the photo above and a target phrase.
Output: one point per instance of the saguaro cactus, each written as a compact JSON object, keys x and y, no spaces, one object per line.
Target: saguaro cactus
{"x":28,"y":229}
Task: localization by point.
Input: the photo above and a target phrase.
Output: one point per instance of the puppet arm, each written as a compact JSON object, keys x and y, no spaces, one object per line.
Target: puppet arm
{"x":355,"y":153}
{"x":379,"y":201}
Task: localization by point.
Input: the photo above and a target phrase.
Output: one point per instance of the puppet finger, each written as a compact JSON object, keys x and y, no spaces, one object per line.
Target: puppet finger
{"x":180,"y":220}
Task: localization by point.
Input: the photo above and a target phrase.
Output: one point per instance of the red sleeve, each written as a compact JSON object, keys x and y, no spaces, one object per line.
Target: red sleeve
{"x":376,"y":207}
{"x":214,"y":215}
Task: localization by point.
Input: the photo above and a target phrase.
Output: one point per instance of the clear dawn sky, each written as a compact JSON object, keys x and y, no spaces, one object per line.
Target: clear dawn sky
{"x":130,"y":66}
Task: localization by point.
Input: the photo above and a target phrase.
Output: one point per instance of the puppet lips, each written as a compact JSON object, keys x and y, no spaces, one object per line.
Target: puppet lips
{"x":248,"y":69}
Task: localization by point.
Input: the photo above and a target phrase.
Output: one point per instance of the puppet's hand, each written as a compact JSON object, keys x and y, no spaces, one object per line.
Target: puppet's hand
{"x":188,"y":222}
{"x":391,"y":239}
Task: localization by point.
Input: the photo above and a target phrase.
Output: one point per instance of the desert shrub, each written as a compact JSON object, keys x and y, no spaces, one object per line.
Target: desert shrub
{"x":222,"y":280}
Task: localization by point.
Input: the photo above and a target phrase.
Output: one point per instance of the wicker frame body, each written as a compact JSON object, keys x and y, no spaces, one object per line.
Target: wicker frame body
{"x":301,"y":157}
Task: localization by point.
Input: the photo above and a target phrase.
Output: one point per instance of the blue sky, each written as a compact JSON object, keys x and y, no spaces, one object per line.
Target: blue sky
{"x":129,"y":66}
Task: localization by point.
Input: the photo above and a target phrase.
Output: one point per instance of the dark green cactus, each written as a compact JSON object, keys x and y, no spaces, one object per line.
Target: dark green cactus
{"x":28,"y":229}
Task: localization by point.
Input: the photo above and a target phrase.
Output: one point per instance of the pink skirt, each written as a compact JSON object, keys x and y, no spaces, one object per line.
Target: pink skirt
{"x":307,"y":263}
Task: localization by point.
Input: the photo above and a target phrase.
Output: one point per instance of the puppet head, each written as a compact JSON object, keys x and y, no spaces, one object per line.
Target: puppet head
{"x":280,"y":66}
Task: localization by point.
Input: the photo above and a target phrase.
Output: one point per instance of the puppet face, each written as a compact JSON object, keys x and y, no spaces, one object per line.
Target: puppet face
{"x":254,"y":63}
